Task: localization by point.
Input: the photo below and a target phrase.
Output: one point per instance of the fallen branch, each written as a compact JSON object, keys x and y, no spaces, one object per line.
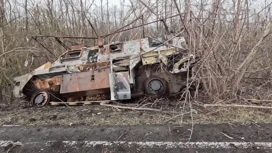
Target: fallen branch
{"x":259,"y":100}
{"x":131,"y":108}
{"x":227,"y":135}
{"x":121,"y":136}
{"x":236,"y":106}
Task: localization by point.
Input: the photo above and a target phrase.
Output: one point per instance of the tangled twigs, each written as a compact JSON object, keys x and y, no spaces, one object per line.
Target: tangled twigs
{"x":244,"y":66}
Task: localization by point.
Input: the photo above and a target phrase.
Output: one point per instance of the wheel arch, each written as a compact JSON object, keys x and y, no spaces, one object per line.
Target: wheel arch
{"x":20,"y":84}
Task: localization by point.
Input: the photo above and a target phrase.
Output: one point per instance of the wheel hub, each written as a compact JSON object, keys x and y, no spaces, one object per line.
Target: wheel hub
{"x":41,"y":99}
{"x":155,"y":86}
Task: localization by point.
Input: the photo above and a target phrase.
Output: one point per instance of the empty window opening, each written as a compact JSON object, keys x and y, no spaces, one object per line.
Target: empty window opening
{"x":115,"y":47}
{"x":156,"y":42}
{"x":73,"y":54}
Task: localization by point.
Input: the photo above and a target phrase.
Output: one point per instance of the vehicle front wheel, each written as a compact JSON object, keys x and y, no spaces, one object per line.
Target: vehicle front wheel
{"x":40,"y":98}
{"x":156,"y":86}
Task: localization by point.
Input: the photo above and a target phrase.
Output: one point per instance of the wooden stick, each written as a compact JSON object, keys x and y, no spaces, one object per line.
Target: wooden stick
{"x":259,"y":100}
{"x":131,"y":108}
{"x":236,"y":106}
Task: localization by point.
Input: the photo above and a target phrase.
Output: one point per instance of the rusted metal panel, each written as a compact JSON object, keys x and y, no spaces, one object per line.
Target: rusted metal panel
{"x":44,"y":66}
{"x":85,"y":81}
{"x":48,"y":84}
{"x":93,"y":66}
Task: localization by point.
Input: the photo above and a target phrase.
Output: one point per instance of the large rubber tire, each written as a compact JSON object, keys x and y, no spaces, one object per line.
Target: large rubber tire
{"x":156,"y":86}
{"x":40,"y":98}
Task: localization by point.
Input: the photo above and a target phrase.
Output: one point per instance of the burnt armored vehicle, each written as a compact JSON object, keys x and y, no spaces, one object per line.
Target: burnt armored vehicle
{"x":116,"y":71}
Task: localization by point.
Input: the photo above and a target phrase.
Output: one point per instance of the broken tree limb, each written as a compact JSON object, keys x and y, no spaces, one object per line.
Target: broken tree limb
{"x":236,"y":106}
{"x":244,"y":66}
{"x":259,"y":100}
{"x":131,"y":108}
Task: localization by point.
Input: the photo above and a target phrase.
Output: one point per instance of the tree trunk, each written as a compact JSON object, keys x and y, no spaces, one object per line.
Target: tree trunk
{"x":236,"y":21}
{"x":26,"y":18}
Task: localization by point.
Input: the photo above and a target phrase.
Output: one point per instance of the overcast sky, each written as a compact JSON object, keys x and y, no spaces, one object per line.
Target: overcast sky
{"x":256,"y":4}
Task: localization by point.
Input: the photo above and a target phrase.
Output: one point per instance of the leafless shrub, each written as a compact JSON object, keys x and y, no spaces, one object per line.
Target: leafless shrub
{"x":221,"y":33}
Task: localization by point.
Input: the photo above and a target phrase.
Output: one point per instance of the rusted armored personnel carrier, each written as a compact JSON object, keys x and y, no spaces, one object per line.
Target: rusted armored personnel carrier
{"x":117,"y":71}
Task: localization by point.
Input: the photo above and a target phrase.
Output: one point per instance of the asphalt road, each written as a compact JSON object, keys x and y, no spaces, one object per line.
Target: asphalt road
{"x":119,"y":139}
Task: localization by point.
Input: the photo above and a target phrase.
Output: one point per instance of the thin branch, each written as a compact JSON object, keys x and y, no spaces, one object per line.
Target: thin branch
{"x":236,"y":106}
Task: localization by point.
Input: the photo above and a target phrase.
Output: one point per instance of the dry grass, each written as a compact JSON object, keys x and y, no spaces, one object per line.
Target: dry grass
{"x":99,"y":115}
{"x":234,"y":115}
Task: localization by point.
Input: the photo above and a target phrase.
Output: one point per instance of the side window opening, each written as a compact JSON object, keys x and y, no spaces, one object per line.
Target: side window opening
{"x":71,"y":55}
{"x":156,"y":42}
{"x":115,"y":47}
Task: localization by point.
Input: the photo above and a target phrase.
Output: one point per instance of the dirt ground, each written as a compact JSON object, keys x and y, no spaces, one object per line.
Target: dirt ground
{"x":110,"y":130}
{"x":101,"y":115}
